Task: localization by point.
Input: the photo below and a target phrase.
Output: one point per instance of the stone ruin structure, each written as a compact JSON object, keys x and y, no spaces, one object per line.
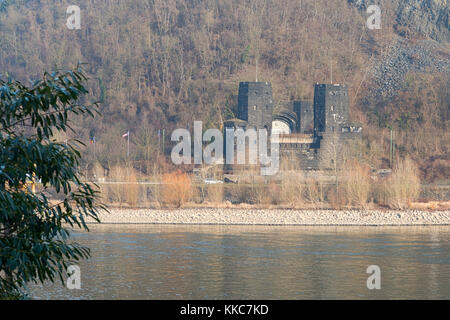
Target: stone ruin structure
{"x":310,"y":132}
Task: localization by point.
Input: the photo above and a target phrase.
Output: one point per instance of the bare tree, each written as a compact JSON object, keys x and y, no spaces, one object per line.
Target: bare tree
{"x":333,"y":154}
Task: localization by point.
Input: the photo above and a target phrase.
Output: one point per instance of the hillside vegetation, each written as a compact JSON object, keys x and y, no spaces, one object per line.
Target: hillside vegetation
{"x":161,"y":64}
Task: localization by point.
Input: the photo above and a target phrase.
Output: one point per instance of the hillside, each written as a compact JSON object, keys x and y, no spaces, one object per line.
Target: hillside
{"x":426,"y":17}
{"x":163,"y":64}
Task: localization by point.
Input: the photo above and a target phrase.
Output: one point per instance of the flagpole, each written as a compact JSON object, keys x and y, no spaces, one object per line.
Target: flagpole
{"x":128,"y":144}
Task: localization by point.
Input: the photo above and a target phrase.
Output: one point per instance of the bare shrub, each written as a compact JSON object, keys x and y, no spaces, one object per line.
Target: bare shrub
{"x":131,"y":189}
{"x":117,"y":175}
{"x":292,"y":181}
{"x":403,"y":186}
{"x":266,"y":193}
{"x":242,"y":193}
{"x":105,"y":193}
{"x":259,"y":194}
{"x":247,"y":190}
{"x":336,"y":199}
{"x":436,"y":169}
{"x":292,"y":186}
{"x":176,"y":189}
{"x":274,"y":193}
{"x":379,"y":192}
{"x":314,"y":192}
{"x":215,"y":193}
{"x":357,"y":184}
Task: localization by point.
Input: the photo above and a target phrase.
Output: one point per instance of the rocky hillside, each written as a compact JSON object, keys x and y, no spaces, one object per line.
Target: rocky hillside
{"x":427,"y":17}
{"x":419,"y":47}
{"x":404,"y":57}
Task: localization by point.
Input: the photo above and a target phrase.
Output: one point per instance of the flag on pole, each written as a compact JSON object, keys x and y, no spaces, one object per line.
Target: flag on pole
{"x":127,"y":135}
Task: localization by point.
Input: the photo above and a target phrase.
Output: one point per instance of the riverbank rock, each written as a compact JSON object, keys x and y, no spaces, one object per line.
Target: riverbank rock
{"x":242,"y":216}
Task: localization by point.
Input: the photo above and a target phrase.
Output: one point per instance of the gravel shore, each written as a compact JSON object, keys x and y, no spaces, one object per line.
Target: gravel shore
{"x":226,"y":216}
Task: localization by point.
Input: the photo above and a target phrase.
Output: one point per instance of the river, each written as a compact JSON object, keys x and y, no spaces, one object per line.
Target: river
{"x":258,"y":262}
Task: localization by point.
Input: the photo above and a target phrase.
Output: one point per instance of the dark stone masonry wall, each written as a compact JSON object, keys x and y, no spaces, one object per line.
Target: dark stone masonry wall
{"x":255,"y":104}
{"x":305,"y":116}
{"x":330,"y":107}
{"x":327,"y":119}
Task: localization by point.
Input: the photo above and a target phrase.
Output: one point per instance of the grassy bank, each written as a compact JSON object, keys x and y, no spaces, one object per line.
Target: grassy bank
{"x":356,"y":188}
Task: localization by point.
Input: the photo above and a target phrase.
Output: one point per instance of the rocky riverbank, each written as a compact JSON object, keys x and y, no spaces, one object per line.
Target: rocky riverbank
{"x":228,"y":216}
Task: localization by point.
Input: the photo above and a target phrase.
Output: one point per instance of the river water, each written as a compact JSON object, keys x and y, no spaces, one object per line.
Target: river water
{"x":258,"y":262}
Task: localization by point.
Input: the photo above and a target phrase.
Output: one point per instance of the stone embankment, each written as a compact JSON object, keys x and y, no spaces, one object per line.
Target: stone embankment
{"x":228,"y":216}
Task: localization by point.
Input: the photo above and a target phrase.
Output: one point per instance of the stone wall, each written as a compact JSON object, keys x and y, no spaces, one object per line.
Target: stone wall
{"x":305,"y":116}
{"x":255,"y":104}
{"x":331,"y":106}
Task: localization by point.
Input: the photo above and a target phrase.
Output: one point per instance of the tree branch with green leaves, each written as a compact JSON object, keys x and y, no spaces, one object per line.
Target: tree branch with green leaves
{"x":34,"y":230}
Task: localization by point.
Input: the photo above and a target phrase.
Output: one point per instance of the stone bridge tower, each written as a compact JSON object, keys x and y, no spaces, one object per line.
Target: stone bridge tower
{"x":331,"y":106}
{"x":255,"y":104}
